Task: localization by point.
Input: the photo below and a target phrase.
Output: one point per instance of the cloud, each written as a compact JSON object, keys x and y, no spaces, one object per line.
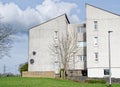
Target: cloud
{"x":22,"y":20}
{"x":74,"y":18}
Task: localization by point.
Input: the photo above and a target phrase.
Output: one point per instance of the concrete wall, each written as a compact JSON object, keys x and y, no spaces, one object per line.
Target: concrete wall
{"x":40,"y":40}
{"x":106,"y":21}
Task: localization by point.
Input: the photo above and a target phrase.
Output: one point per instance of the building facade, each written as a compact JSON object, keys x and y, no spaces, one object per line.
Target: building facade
{"x":40,"y":39}
{"x":99,"y":22}
{"x":92,"y":57}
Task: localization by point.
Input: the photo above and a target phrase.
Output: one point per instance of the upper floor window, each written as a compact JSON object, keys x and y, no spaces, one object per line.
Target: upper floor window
{"x":81,"y":29}
{"x":81,"y":44}
{"x":55,"y":34}
{"x":34,"y":53}
{"x":95,"y":25}
{"x":31,"y":61}
{"x":82,"y":57}
{"x":96,"y":56}
{"x":95,"y":41}
{"x":78,"y":29}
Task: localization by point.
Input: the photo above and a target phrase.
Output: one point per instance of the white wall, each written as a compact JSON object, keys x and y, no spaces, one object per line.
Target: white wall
{"x":40,"y":39}
{"x":106,"y":21}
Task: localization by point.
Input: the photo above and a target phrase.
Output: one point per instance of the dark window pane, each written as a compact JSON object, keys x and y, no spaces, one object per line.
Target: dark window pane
{"x":31,"y":61}
{"x":34,"y":53}
{"x":106,"y":72}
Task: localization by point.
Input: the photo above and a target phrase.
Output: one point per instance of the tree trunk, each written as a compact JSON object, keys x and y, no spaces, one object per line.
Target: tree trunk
{"x":63,"y":73}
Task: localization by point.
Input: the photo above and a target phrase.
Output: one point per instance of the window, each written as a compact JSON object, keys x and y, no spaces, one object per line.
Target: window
{"x":31,"y":61}
{"x":82,"y":57}
{"x":106,"y":72}
{"x":81,"y":29}
{"x":96,"y":56}
{"x":34,"y":53}
{"x":81,"y":44}
{"x":55,"y":34}
{"x":78,"y":29}
{"x":95,"y":25}
{"x":95,"y":41}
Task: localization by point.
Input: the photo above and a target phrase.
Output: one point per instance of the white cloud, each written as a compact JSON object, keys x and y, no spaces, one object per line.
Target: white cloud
{"x":51,"y":8}
{"x":24,"y":19}
{"x":74,"y":18}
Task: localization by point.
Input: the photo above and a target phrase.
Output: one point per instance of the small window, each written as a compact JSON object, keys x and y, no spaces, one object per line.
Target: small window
{"x":95,"y":41}
{"x":34,"y":53}
{"x":81,"y":29}
{"x":96,"y":56}
{"x":55,"y":34}
{"x":82,"y":57}
{"x":78,"y":29}
{"x":95,"y":25}
{"x":106,"y":72}
{"x":31,"y":61}
{"x":81,"y":44}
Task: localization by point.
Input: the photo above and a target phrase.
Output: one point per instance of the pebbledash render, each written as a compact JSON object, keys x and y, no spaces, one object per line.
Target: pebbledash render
{"x":98,"y":23}
{"x":93,"y":57}
{"x":40,"y":39}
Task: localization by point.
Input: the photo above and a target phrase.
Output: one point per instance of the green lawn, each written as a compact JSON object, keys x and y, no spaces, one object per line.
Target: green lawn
{"x":44,"y":82}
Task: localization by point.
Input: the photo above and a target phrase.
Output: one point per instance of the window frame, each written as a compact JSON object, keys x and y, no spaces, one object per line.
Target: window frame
{"x":81,"y":30}
{"x":95,"y":41}
{"x":106,"y":72}
{"x":81,"y":58}
{"x":55,"y":35}
{"x":96,"y":56}
{"x":81,"y":44}
{"x":34,"y":52}
{"x":32,"y":61}
{"x":95,"y":25}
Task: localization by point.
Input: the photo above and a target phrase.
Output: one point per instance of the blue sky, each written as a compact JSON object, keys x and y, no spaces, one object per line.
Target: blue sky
{"x":23,"y":14}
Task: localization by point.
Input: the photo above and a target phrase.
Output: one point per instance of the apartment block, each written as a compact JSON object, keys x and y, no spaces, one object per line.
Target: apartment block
{"x":99,"y":22}
{"x":96,"y":45}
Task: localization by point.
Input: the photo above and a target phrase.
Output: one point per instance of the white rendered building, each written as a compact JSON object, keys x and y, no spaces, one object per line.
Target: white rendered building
{"x":40,"y":39}
{"x":93,"y":56}
{"x":98,"y":23}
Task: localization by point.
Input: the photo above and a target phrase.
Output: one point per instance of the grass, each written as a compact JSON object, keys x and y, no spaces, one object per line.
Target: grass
{"x":44,"y":82}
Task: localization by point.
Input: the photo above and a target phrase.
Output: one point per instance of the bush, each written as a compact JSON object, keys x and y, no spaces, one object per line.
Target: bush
{"x":95,"y":81}
{"x":23,"y":67}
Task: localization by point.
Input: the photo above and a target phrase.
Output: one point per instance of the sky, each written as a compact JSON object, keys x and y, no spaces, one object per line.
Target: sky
{"x":24,"y":14}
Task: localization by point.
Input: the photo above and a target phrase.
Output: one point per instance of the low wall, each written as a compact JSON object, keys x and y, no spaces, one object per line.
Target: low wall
{"x":47,"y":74}
{"x":83,"y":78}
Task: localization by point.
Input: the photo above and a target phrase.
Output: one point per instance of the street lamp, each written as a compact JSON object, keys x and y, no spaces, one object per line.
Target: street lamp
{"x":109,"y":54}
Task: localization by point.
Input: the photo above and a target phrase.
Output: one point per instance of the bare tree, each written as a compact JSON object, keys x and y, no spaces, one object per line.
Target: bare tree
{"x":5,"y":40}
{"x":65,"y":46}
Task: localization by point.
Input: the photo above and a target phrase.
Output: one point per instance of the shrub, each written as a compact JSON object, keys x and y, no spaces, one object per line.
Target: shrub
{"x":95,"y":81}
{"x":23,"y":67}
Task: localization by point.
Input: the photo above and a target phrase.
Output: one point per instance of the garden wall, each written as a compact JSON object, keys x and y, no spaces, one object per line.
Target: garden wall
{"x":47,"y":74}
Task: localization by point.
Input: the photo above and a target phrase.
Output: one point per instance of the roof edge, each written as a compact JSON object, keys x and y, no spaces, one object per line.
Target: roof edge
{"x":52,"y":19}
{"x":67,"y":18}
